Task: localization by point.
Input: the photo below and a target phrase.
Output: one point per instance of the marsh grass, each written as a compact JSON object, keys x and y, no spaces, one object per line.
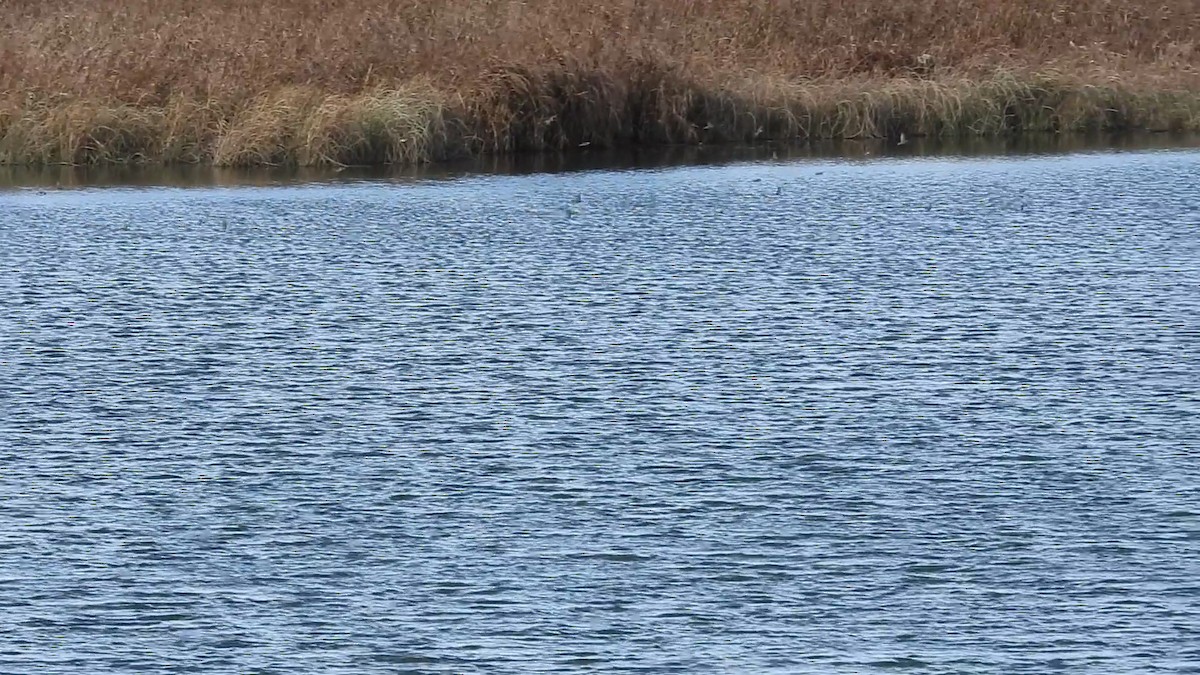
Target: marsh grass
{"x":316,"y":82}
{"x":558,"y":111}
{"x":562,"y":109}
{"x":378,"y":127}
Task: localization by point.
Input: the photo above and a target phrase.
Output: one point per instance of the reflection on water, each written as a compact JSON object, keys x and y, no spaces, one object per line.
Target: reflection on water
{"x":811,"y":416}
{"x":47,"y":177}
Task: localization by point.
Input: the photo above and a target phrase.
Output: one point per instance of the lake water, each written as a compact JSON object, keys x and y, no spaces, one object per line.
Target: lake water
{"x":935,"y":415}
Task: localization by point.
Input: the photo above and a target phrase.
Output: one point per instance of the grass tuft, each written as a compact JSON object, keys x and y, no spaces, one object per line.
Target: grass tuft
{"x":378,"y":127}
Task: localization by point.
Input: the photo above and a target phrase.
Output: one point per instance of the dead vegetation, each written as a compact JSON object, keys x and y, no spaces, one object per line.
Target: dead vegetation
{"x":377,"y":81}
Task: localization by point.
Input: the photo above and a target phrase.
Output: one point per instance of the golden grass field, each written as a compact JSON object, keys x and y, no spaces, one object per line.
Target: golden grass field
{"x":376,"y":81}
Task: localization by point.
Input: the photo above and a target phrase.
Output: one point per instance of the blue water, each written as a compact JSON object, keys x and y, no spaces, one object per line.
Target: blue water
{"x":911,"y":415}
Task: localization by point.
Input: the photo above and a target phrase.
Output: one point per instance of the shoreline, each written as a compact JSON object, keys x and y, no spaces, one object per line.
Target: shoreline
{"x":819,"y":153}
{"x":517,"y":111}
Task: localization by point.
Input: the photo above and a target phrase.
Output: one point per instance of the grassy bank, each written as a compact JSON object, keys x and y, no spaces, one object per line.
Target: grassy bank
{"x":370,"y":81}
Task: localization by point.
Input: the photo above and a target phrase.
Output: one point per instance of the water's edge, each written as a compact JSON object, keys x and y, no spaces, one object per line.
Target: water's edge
{"x":653,"y":157}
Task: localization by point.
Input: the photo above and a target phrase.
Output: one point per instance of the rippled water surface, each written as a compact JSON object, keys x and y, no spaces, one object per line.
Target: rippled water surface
{"x":912,"y":415}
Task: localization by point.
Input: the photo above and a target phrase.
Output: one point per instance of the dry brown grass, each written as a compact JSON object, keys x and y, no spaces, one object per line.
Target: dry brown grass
{"x":371,"y":81}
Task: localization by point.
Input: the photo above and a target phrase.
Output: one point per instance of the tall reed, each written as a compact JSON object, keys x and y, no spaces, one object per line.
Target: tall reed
{"x":394,"y":81}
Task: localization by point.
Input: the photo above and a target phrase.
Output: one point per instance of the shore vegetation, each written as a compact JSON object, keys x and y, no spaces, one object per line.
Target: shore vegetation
{"x":356,"y":82}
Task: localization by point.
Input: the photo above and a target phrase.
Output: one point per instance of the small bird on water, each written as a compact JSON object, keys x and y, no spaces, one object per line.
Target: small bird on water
{"x":903,"y":139}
